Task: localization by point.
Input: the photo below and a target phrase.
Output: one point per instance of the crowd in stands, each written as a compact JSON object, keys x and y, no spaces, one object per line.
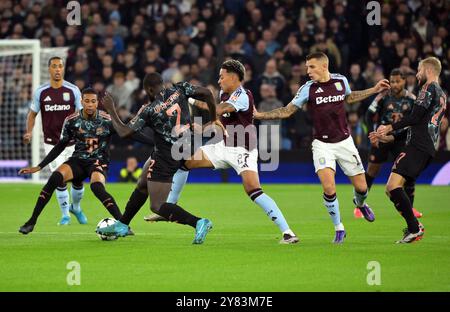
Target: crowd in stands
{"x":119,"y":41}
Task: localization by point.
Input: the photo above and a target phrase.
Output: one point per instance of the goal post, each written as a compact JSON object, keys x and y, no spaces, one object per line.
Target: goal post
{"x":23,"y":68}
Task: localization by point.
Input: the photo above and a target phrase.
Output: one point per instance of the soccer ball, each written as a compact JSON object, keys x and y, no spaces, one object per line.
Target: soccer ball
{"x":104,"y":223}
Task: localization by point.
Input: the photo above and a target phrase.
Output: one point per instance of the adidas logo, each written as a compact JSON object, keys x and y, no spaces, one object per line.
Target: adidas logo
{"x":48,"y":98}
{"x":319,"y":90}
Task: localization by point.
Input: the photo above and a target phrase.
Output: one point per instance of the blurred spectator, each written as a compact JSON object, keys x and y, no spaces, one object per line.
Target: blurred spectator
{"x":356,"y":80}
{"x":184,"y":39}
{"x":120,"y":91}
{"x":271,"y":76}
{"x":131,"y":172}
{"x":358,"y":134}
{"x":270,"y":136}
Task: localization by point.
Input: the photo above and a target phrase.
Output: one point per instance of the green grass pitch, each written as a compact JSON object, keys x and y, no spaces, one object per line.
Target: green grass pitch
{"x":240,"y":254}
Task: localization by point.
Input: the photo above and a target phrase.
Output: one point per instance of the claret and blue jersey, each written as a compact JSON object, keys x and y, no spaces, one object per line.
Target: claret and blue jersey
{"x":325,"y":101}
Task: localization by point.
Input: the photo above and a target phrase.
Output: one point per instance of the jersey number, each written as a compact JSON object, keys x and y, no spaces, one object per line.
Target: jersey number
{"x":435,"y":118}
{"x":403,"y":154}
{"x":92,"y":144}
{"x":242,"y":160}
{"x":178,"y":128}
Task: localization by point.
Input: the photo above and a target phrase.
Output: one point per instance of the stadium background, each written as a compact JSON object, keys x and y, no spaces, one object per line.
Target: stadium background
{"x":118,"y":42}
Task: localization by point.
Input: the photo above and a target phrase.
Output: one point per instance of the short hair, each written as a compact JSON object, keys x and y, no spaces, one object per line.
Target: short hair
{"x":397,"y":72}
{"x":319,"y":56}
{"x":152,"y":80}
{"x":89,"y":90}
{"x":55,"y":58}
{"x":119,"y":75}
{"x":433,"y":63}
{"x":234,"y":66}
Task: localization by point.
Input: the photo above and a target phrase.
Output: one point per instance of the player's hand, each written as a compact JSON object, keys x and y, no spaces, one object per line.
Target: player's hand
{"x":219,"y":124}
{"x":29,"y":170}
{"x":386,"y":139}
{"x":384,"y":130}
{"x":256,"y":114}
{"x":374,"y":138}
{"x":215,"y":126}
{"x":27,"y":137}
{"x":382,"y":85}
{"x":108,"y":102}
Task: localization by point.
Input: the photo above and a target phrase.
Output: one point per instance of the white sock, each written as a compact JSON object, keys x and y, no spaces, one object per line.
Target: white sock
{"x":339,"y":227}
{"x":77,"y":195}
{"x":62,"y":195}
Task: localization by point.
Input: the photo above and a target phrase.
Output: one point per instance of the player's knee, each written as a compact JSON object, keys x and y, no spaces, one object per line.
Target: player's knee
{"x":391,"y":186}
{"x":142,"y":186}
{"x":329,"y":188}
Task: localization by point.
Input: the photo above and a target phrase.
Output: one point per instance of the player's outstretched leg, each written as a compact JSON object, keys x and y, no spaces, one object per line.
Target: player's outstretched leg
{"x":370,"y":175}
{"x":179,"y":180}
{"x":158,"y":192}
{"x":77,"y":193}
{"x":397,"y":195}
{"x":62,"y":195}
{"x":98,"y":188}
{"x":55,"y":180}
{"x":410,"y":189}
{"x":330,"y":201}
{"x":250,"y":181}
{"x":361,"y":192}
{"x":274,"y":213}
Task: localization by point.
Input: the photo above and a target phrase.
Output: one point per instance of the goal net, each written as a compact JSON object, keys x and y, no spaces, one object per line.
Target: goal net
{"x":23,"y":67}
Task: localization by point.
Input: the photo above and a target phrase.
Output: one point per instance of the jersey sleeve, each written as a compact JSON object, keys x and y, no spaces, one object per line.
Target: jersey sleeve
{"x":77,"y":94}
{"x":348,"y":90}
{"x":425,"y":96}
{"x":187,"y":88}
{"x":67,"y":132}
{"x":302,"y":96}
{"x":141,"y":119}
{"x":35,"y":103}
{"x":239,"y":100}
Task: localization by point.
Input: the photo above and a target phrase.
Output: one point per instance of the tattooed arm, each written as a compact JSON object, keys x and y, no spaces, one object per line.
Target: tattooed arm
{"x":357,"y":96}
{"x":279,"y":113}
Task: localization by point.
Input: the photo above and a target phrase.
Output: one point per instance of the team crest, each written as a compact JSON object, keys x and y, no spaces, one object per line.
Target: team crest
{"x":99,"y":131}
{"x":322,"y":160}
{"x":234,"y":98}
{"x":66,"y":96}
{"x":338,"y":86}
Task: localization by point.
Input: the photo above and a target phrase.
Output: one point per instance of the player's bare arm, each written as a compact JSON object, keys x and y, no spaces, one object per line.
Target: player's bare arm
{"x":31,"y":118}
{"x":221,"y":109}
{"x":51,"y":156}
{"x":29,"y":170}
{"x":224,"y":108}
{"x":212,"y":108}
{"x":122,"y":129}
{"x":206,"y":97}
{"x":357,"y":96}
{"x":376,"y":139}
{"x":279,"y":113}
